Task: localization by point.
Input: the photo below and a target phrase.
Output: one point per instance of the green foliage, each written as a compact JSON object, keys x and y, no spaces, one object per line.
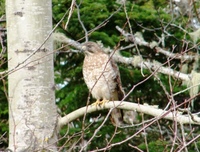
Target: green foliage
{"x":73,"y":90}
{"x":2,"y":7}
{"x":158,"y":146}
{"x":3,"y":83}
{"x":159,"y":3}
{"x":94,"y":13}
{"x":4,"y":107}
{"x":145,"y":16}
{"x":195,"y":145}
{"x":104,"y":37}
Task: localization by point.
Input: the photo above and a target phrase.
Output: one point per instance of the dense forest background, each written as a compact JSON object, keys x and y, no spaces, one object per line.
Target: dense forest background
{"x":172,"y":25}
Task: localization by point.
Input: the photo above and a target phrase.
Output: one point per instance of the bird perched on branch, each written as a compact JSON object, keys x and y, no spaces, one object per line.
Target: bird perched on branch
{"x":102,"y":77}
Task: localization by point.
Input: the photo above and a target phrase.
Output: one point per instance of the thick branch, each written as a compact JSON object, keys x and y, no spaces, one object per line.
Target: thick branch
{"x":156,"y":66}
{"x":60,"y":37}
{"x":175,"y":55}
{"x":146,"y":109}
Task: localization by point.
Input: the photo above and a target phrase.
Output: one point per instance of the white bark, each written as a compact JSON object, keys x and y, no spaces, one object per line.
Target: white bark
{"x":146,"y":109}
{"x":32,"y":110}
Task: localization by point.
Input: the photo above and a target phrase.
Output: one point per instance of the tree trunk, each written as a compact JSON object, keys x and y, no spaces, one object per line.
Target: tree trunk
{"x":32,"y":109}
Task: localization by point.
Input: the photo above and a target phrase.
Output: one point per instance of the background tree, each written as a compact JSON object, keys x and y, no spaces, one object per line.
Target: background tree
{"x":152,"y":21}
{"x":165,"y":38}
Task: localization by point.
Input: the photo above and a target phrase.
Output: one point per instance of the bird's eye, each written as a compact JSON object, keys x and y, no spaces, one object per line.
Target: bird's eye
{"x":89,"y":46}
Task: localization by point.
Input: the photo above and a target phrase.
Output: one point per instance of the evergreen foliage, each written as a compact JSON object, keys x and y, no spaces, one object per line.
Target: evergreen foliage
{"x":144,"y":13}
{"x":3,"y":81}
{"x":145,"y":16}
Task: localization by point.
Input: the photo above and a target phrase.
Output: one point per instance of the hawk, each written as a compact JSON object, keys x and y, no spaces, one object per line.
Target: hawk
{"x":102,"y":77}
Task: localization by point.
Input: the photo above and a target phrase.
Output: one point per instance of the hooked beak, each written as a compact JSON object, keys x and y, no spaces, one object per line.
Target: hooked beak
{"x":83,"y":47}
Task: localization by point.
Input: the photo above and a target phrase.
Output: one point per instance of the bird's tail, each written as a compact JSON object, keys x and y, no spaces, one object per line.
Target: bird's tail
{"x":116,"y":114}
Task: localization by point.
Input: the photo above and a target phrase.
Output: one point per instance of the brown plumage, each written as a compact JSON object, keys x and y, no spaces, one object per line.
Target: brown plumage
{"x":101,"y":75}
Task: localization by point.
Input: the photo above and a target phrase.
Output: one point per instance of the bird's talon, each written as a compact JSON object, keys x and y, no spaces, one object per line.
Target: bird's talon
{"x":99,"y":103}
{"x":104,"y":101}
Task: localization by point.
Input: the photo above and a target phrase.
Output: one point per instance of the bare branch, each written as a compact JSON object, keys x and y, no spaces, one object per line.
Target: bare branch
{"x":81,"y":22}
{"x":70,"y":13}
{"x":191,"y":141}
{"x":140,"y":41}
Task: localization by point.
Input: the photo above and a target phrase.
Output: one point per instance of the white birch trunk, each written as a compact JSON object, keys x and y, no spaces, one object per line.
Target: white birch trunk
{"x":32,"y":109}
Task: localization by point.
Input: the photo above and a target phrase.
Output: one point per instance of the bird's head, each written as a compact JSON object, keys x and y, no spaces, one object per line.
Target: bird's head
{"x":91,"y":48}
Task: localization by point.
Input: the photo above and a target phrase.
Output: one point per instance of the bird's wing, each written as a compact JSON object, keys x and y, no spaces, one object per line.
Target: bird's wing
{"x":118,"y":116}
{"x":117,"y":95}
